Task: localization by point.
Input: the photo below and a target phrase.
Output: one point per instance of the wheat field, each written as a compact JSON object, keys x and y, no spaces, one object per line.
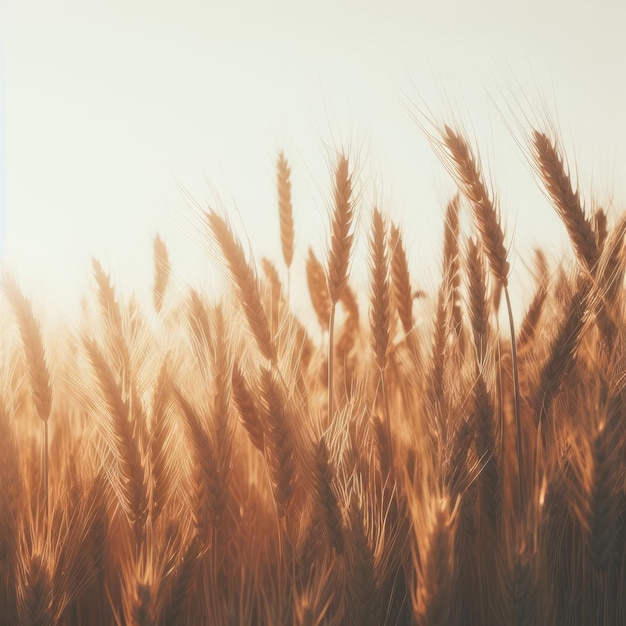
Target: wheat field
{"x":408,"y":458}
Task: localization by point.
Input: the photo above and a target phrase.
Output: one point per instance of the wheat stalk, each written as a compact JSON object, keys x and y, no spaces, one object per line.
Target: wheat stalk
{"x":338,"y":258}
{"x":486,"y":218}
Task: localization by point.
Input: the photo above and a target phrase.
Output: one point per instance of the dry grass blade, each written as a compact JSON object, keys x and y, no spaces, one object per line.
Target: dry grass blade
{"x":285,"y":209}
{"x":245,"y":283}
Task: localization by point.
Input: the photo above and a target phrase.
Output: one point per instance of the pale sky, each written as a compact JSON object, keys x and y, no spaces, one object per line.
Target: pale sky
{"x":111,"y":107}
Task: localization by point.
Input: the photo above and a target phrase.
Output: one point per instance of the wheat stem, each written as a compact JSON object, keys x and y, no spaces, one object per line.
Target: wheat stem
{"x":516,"y":398}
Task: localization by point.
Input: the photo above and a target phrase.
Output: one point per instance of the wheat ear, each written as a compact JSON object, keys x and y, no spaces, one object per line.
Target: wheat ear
{"x":162,"y":272}
{"x":279,"y":450}
{"x":600,"y":225}
{"x":160,"y":440}
{"x":184,"y":579}
{"x":432,"y":599}
{"x":341,"y":231}
{"x":566,"y":201}
{"x":484,"y":412}
{"x":467,"y":173}
{"x":10,"y":488}
{"x":451,"y":261}
{"x":400,"y":280}
{"x":246,"y":284}
{"x":362,"y":588}
{"x":478,"y":303}
{"x":38,"y":370}
{"x":530,"y":322}
{"x":379,"y":290}
{"x":118,"y":433}
{"x":486,"y":218}
{"x":285,"y":208}
{"x":609,"y":284}
{"x":113,"y":321}
{"x":209,"y":491}
{"x":380,"y":309}
{"x":248,"y":412}
{"x":348,"y":336}
{"x":200,"y":327}
{"x":562,"y":353}
{"x":222,"y":392}
{"x":318,"y":289}
{"x":326,"y":498}
{"x":603,"y":498}
{"x":434,"y":387}
{"x":36,"y":597}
